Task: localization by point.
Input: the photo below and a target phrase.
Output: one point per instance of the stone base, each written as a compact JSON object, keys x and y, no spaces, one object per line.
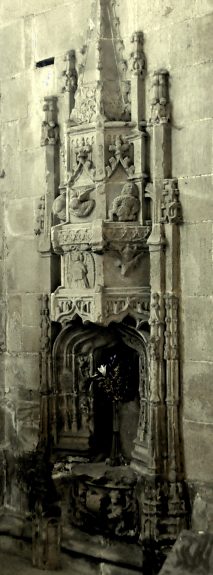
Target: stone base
{"x":116,"y":553}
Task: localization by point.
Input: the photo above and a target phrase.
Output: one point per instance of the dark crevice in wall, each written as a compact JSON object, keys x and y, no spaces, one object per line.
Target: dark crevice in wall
{"x":46,"y":62}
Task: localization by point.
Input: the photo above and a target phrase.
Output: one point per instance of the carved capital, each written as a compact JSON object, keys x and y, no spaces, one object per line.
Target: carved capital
{"x":50,"y":128}
{"x":137,"y":57}
{"x":171,"y":209}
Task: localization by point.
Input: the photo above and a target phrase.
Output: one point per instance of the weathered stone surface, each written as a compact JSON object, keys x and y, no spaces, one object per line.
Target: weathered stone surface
{"x":182,"y":53}
{"x":196,"y":200}
{"x":198,"y":159}
{"x":31,"y":310}
{"x":25,"y":274}
{"x":203,"y":7}
{"x":198,"y":438}
{"x":54,"y":29}
{"x":14,"y":324}
{"x":32,"y":176}
{"x":196,"y":260}
{"x":22,"y":373}
{"x":198,"y":391}
{"x":19,"y":218}
{"x":202,"y":506}
{"x":31,"y":338}
{"x":12,"y":59}
{"x":157,"y":53}
{"x":2,"y":326}
{"x":15,"y":94}
{"x":30,"y":131}
{"x":2,"y":278}
{"x":198,"y":313}
{"x":29,"y":41}
{"x":203,"y":41}
{"x":161,"y":15}
{"x":191,"y":95}
{"x":192,"y":553}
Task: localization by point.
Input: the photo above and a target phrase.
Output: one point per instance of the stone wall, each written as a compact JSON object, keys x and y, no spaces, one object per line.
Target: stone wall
{"x":178,"y":37}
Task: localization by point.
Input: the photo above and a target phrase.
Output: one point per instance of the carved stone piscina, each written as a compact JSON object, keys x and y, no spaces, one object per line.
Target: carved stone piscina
{"x":116,"y":235}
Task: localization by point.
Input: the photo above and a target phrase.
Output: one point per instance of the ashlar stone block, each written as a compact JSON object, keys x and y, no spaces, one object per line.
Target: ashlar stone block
{"x":31,"y":310}
{"x":28,"y":272}
{"x":14,"y":324}
{"x":198,"y":391}
{"x":19,"y":217}
{"x":197,"y":314}
{"x":198,"y":440}
{"x":55,"y":29}
{"x":191,"y":94}
{"x":15,"y":97}
{"x":33,"y":175}
{"x":22,"y":374}
{"x":196,"y":259}
{"x":203,"y":38}
{"x":196,"y":199}
{"x":181,"y":46}
{"x":192,"y":160}
{"x":11,"y":48}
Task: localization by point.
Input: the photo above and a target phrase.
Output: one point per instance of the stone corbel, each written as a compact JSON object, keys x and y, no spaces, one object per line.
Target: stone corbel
{"x":50,"y":142}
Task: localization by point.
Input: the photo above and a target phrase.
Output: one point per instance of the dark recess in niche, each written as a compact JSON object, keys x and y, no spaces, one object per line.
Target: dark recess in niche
{"x":46,"y":62}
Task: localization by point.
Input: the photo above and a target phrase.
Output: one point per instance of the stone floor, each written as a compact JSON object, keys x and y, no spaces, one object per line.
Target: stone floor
{"x":14,"y":564}
{"x":10,"y":564}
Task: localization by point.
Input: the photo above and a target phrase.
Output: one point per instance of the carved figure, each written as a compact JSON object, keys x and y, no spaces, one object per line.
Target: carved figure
{"x":80,"y":204}
{"x":49,"y":128}
{"x":126,"y":206}
{"x":59,"y":207}
{"x":80,"y":271}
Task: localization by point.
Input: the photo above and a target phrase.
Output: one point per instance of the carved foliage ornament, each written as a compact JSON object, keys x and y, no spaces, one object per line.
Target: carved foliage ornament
{"x":121,"y":150}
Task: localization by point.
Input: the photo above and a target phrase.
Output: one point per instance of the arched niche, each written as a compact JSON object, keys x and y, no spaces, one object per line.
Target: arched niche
{"x":83,"y":413}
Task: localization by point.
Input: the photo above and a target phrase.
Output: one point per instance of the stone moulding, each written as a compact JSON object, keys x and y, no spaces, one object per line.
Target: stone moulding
{"x":101,"y":307}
